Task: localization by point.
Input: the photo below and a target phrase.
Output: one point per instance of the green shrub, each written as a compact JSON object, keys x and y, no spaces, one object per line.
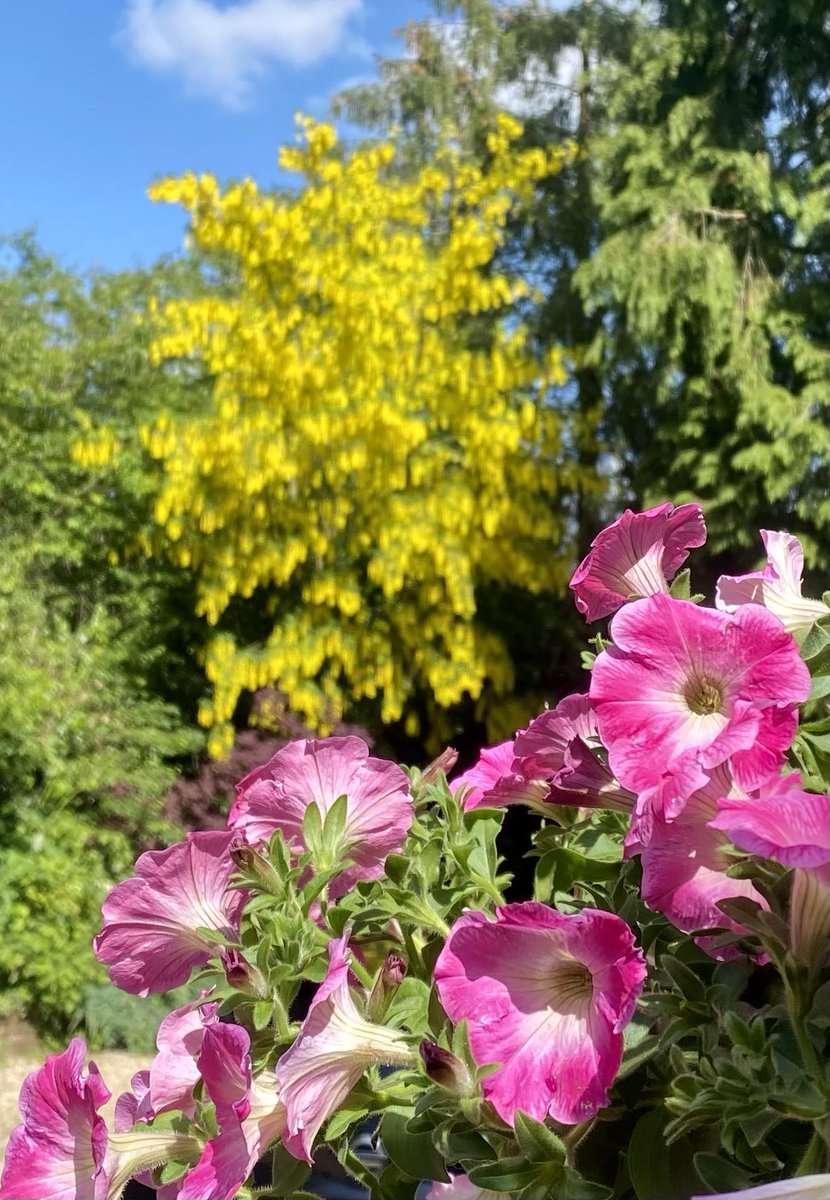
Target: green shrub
{"x":115,"y":1020}
{"x":54,"y":877}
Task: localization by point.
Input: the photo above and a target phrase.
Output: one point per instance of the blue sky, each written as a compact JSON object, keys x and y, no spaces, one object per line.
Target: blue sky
{"x":99,"y":97}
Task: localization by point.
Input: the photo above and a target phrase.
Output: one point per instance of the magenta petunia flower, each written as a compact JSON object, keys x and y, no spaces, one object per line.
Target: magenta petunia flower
{"x":546,"y":996}
{"x":682,"y":680}
{"x":562,"y":745}
{"x":495,"y":780}
{"x":684,"y":866}
{"x":248,"y":1110}
{"x":334,"y":1047}
{"x":379,"y":803}
{"x":173,"y":1074}
{"x":782,"y":822}
{"x":58,"y":1153}
{"x":635,"y":556}
{"x":150,"y":939}
{"x":785,"y":823}
{"x":63,"y":1151}
{"x":777,"y":587}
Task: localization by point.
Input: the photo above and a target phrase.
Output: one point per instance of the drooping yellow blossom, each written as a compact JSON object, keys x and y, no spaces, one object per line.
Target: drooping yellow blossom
{"x":371,"y":456}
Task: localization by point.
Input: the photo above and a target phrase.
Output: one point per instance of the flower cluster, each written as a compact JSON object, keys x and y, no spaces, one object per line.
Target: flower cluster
{"x":687,"y":722}
{"x":360,"y":284}
{"x":490,"y":1039}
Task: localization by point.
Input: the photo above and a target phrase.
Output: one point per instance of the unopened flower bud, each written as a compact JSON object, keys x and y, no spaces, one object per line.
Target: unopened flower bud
{"x":442,"y":765}
{"x":255,"y":867}
{"x":810,"y":916}
{"x":387,"y":983}
{"x":445,"y":1068}
{"x":393,"y":971}
{"x":243,"y":976}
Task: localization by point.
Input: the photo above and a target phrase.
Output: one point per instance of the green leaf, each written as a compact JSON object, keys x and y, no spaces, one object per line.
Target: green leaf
{"x":287,"y":1172}
{"x":648,"y":1158}
{"x":391,"y":1186}
{"x":413,"y":1153}
{"x":577,"y":1188}
{"x":410,"y":1006}
{"x":767,"y":924}
{"x":537,"y":1142}
{"x":819,"y":738}
{"x":515,"y":1174}
{"x":338,"y":919}
{"x":756,"y":1128}
{"x":397,"y":867}
{"x":468,"y":1147}
{"x":344,"y":1118}
{"x":640,"y":1046}
{"x":558,"y":870}
{"x":684,"y":979}
{"x":719,"y":1175}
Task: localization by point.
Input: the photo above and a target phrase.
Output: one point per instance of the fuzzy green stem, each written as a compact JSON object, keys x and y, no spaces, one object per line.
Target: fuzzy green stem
{"x":360,"y":971}
{"x":797,"y":1009}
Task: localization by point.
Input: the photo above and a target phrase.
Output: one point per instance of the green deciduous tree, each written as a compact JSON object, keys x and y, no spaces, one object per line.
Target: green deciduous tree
{"x":93,"y":651}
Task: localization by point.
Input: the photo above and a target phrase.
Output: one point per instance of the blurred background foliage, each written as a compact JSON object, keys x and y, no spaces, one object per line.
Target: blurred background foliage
{"x":679,"y":259}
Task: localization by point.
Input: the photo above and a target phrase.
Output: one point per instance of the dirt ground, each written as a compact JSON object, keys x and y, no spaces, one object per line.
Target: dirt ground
{"x":20,"y":1053}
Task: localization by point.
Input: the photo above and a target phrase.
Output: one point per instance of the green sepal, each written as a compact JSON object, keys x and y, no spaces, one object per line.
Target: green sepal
{"x":813,"y":641}
{"x":313,"y":830}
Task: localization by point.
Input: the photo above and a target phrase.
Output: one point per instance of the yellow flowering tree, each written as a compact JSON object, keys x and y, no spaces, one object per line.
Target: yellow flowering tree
{"x":381,"y":440}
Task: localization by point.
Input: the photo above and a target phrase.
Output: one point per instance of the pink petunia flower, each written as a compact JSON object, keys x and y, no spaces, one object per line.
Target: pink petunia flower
{"x":63,"y":1151}
{"x":249,"y":1111}
{"x":635,"y":556}
{"x":546,"y":996}
{"x":562,"y":746}
{"x":495,"y":780}
{"x":791,"y":826}
{"x":682,"y":680}
{"x":61,"y":1146}
{"x":777,"y":587}
{"x":782,"y":822}
{"x":684,"y":866}
{"x":379,"y":804}
{"x":334,"y":1047}
{"x":173,"y":1074}
{"x":149,"y":938}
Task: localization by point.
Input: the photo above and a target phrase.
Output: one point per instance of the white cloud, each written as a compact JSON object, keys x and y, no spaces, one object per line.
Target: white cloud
{"x":542,"y":86}
{"x":219,"y":51}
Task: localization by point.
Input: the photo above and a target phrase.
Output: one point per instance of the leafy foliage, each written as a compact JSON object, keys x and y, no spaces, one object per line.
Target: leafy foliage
{"x":89,"y":660}
{"x":679,"y":256}
{"x":712,"y":210}
{"x":50,"y":906}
